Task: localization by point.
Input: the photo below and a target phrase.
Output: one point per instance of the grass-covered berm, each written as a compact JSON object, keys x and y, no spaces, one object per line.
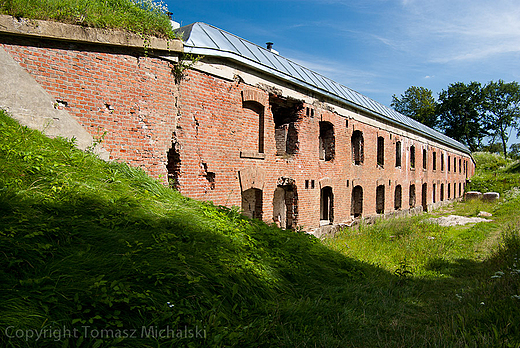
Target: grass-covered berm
{"x":97,"y":254}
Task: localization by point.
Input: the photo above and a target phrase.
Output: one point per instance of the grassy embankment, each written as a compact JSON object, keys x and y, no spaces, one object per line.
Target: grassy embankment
{"x":102,"y":249}
{"x":145,"y":17}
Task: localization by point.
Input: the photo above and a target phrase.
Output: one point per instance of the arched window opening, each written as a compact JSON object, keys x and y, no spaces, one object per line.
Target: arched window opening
{"x":424,"y":196}
{"x":255,"y":112}
{"x":442,"y":193}
{"x":380,"y":199}
{"x":398,"y":197}
{"x":398,"y":154}
{"x":412,"y":157}
{"x":411,"y":198}
{"x":356,"y":208}
{"x":327,"y":142}
{"x":326,"y":206}
{"x":357,"y":147}
{"x":454,"y":190}
{"x":380,"y":151}
{"x":252,"y":203}
{"x":285,"y":204}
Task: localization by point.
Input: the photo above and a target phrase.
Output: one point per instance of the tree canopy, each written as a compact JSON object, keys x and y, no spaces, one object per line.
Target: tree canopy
{"x":470,"y":113}
{"x":502,"y":110}
{"x":417,"y":103}
{"x":459,"y":110}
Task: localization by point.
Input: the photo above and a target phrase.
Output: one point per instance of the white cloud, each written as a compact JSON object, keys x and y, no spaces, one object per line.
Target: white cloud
{"x":461,"y":30}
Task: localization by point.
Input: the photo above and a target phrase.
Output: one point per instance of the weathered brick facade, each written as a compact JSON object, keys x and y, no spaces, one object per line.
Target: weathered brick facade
{"x":236,"y":136}
{"x":219,"y":133}
{"x":118,"y":91}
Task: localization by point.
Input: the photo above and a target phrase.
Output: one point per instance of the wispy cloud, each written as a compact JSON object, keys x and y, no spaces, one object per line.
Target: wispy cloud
{"x":458,"y":31}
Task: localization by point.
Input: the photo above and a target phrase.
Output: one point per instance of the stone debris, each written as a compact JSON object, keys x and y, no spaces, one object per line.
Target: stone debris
{"x":484,"y":214}
{"x":490,"y":196}
{"x":473,"y":195}
{"x":456,"y":220}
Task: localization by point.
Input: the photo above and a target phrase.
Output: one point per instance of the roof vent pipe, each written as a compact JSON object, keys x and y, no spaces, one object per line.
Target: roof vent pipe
{"x":270,"y":47}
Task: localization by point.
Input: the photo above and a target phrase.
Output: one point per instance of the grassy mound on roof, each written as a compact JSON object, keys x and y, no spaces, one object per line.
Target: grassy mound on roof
{"x":99,"y":254}
{"x":146,"y":17}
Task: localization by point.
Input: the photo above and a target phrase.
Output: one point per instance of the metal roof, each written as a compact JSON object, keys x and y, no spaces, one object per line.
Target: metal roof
{"x":204,"y":39}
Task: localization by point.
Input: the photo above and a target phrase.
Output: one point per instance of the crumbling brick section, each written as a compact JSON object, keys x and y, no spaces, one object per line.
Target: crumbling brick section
{"x":120,"y":91}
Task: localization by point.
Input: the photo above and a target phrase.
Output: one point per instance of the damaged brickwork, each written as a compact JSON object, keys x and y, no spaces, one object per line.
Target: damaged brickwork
{"x":236,"y":136}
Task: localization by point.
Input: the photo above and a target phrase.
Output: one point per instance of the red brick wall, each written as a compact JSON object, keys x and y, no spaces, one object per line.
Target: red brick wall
{"x":215,"y":128}
{"x":135,"y":100}
{"x":129,"y":96}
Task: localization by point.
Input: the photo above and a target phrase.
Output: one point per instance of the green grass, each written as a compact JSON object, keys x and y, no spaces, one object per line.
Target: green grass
{"x":494,"y":173}
{"x":146,"y":17}
{"x":84,"y":243}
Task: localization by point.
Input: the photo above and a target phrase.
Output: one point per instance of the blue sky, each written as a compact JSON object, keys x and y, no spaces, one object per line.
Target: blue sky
{"x":378,"y":47}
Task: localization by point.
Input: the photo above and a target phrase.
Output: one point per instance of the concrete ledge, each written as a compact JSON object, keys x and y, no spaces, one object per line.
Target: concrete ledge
{"x":77,"y":33}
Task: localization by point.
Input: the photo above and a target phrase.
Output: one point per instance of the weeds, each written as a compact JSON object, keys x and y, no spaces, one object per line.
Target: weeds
{"x":106,"y":250}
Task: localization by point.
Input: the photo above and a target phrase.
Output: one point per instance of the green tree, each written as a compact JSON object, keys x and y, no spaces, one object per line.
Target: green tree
{"x":417,"y":103}
{"x":460,"y":114}
{"x":502,"y":110}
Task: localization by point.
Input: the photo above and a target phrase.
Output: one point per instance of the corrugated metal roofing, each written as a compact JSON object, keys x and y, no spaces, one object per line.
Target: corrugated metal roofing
{"x":204,"y":39}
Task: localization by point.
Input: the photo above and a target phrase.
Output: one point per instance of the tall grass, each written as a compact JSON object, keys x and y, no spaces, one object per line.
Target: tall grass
{"x":104,"y":249}
{"x":146,"y":17}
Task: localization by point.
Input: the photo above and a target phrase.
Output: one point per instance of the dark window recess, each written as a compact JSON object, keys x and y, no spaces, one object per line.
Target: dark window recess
{"x":434,"y":164}
{"x":312,"y":184}
{"x":424,"y":196}
{"x":424,"y":158}
{"x":411,"y":198}
{"x":252,"y":203}
{"x":442,"y":162}
{"x":327,"y":205}
{"x":434,"y":193}
{"x":381,"y":151}
{"x":412,"y":156}
{"x":258,"y":109}
{"x":380,"y":199}
{"x":356,"y":208}
{"x":449,"y":163}
{"x":398,"y":200}
{"x":210,"y":176}
{"x":309,"y":112}
{"x":454,"y":165}
{"x":306,"y":184}
{"x":449,"y":191}
{"x":442,"y":193}
{"x":357,"y":147}
{"x":327,"y":142}
{"x":174,"y":166}
{"x":285,"y":204}
{"x":460,"y":165}
{"x":398,"y":154}
{"x":286,"y":113}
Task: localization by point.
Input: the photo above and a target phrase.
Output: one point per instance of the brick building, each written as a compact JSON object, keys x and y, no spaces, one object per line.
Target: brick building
{"x":245,"y":126}
{"x":293,"y":147}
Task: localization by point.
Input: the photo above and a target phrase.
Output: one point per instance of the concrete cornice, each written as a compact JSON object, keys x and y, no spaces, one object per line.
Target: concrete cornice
{"x":77,"y":33}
